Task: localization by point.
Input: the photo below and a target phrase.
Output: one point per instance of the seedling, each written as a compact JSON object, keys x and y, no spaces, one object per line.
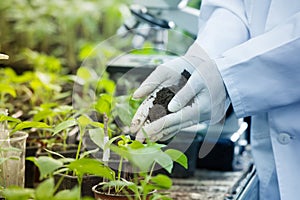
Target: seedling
{"x":143,"y":158}
{"x":58,"y":116}
{"x":78,"y":166}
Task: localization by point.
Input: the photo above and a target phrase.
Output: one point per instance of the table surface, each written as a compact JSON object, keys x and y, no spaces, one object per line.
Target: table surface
{"x":208,"y":184}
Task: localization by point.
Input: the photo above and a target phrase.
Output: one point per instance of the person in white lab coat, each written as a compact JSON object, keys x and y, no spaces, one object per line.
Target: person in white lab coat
{"x":247,"y":53}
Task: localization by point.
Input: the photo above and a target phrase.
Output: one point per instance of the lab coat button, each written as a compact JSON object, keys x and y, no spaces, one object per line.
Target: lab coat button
{"x":284,"y":138}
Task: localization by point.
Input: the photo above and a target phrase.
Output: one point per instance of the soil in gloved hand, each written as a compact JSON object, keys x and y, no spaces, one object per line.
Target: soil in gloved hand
{"x":164,"y":96}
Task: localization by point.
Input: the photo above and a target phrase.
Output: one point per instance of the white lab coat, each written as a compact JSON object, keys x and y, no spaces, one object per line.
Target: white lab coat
{"x":256,"y":46}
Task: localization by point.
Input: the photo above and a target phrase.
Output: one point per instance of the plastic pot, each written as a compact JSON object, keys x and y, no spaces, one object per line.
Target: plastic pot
{"x":69,"y":182}
{"x":99,"y":194}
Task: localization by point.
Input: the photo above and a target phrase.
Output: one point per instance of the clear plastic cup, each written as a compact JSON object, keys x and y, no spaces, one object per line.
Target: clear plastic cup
{"x":12,"y":160}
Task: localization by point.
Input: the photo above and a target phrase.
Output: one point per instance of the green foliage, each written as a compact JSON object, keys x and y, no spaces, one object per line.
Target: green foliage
{"x":37,"y":97}
{"x":47,"y":165}
{"x":17,"y":193}
{"x":45,"y":190}
{"x":7,"y":89}
{"x":104,"y":103}
{"x":15,"y":124}
{"x":143,"y":157}
{"x":29,"y":124}
{"x":64,"y":125}
{"x":42,"y":62}
{"x":24,"y":92}
{"x":52,"y":113}
{"x":58,"y":27}
{"x":178,"y":157}
{"x":97,"y":136}
{"x":95,"y":93}
{"x":90,"y":166}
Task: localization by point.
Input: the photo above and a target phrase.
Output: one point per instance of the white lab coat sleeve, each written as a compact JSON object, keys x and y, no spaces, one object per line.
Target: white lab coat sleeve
{"x":222,"y":25}
{"x":263,"y":73}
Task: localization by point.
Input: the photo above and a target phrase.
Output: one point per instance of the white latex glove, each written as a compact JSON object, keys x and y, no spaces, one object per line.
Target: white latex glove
{"x":205,"y":89}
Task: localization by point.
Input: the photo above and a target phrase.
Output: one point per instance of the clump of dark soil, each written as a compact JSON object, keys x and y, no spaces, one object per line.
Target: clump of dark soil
{"x":164,"y":96}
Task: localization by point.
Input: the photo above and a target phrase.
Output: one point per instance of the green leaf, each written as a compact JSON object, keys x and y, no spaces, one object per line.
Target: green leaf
{"x":123,"y":111}
{"x":7,"y":89}
{"x":54,"y":153}
{"x":63,"y":109}
{"x":161,"y":181}
{"x":159,"y":196}
{"x":97,"y":136}
{"x":97,"y":124}
{"x":47,"y":106}
{"x":84,"y":120}
{"x":43,"y":114}
{"x":165,"y":161}
{"x":84,"y":73}
{"x":4,"y":117}
{"x":86,"y":153}
{"x":143,"y":158}
{"x":107,"y":85}
{"x":66,"y":160}
{"x":104,"y":104}
{"x":26,"y":77}
{"x":178,"y":156}
{"x":18,"y":193}
{"x":86,"y":51}
{"x":45,"y":190}
{"x":28,"y":124}
{"x":64,"y":125}
{"x":46,"y":165}
{"x":91,"y":166}
{"x":136,"y":145}
{"x":72,"y":194}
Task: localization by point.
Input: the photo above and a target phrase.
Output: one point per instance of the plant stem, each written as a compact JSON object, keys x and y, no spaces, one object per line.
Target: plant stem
{"x":81,"y":132}
{"x":79,"y":178}
{"x":120,"y":168}
{"x":65,"y":137}
{"x":119,"y":172}
{"x":58,"y":183}
{"x":105,"y":121}
{"x":152,"y":169}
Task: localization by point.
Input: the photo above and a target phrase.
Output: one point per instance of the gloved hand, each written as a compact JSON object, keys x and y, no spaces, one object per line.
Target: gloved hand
{"x":201,"y":99}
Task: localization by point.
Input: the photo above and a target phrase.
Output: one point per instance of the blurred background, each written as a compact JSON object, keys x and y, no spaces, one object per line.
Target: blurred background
{"x":58,"y":32}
